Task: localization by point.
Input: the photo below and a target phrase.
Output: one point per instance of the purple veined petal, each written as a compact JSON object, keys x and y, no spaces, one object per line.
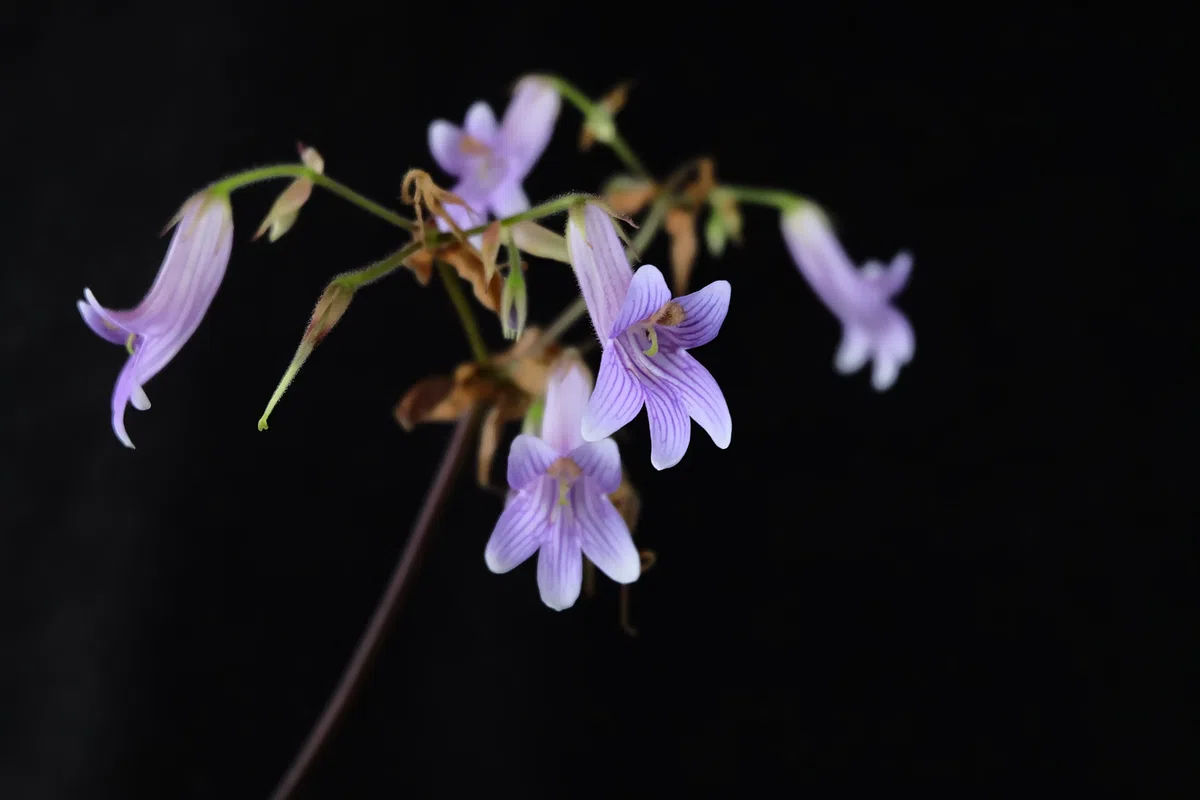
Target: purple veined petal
{"x":560,"y":564}
{"x":509,"y":198}
{"x":698,"y":393}
{"x":528,"y":459}
{"x":600,"y":266}
{"x":524,"y":525}
{"x":528,"y":124}
{"x":98,"y":322}
{"x":603,"y":536}
{"x":567,"y":394}
{"x":617,"y":399}
{"x":703,"y":314}
{"x":894,"y":347}
{"x":647,"y":293}
{"x":670,"y":429}
{"x":600,"y":462}
{"x":854,"y":349}
{"x":166,"y":328}
{"x":445,"y":144}
{"x":480,"y":123}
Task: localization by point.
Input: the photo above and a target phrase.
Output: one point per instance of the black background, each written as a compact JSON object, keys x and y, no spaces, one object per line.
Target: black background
{"x":968,"y":581}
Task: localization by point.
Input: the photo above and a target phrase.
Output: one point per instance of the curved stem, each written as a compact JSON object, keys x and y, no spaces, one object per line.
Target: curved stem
{"x":389,"y":603}
{"x":260,"y":174}
{"x":775,"y":198}
{"x":470,"y":326}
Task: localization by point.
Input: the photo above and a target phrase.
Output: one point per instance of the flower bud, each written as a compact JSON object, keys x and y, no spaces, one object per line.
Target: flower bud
{"x":283,"y":213}
{"x":514,"y":301}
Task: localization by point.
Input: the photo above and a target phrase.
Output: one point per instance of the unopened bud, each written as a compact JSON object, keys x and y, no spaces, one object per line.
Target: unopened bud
{"x":724,"y":204}
{"x":286,"y":209}
{"x":715,"y":234}
{"x":514,"y":302}
{"x":330,"y":308}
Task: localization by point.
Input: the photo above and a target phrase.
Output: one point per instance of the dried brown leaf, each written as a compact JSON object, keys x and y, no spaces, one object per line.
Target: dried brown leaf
{"x":418,"y":189}
{"x":468,"y":263}
{"x":626,"y":195}
{"x":417,"y":403}
{"x":681,"y":226}
{"x":697,"y":191}
{"x":489,"y":441}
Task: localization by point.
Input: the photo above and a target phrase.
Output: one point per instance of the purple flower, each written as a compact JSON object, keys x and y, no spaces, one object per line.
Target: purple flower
{"x":560,"y":507}
{"x":646,"y":335}
{"x":171,"y":311}
{"x":490,"y":160}
{"x":860,"y":298}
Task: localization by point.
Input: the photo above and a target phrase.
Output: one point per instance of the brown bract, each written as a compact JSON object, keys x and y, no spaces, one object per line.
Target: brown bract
{"x":627,"y":195}
{"x":505,"y":386}
{"x":681,"y":223}
{"x":419,"y":190}
{"x":612,"y":102}
{"x":467,"y":262}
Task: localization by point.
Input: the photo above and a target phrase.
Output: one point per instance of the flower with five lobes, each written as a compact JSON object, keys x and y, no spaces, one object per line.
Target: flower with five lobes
{"x":861,"y":299}
{"x":490,"y":160}
{"x":560,"y":506}
{"x":646,"y":335}
{"x":171,"y":311}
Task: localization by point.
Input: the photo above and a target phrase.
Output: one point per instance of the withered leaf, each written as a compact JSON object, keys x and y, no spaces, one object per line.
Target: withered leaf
{"x":697,"y":191}
{"x":489,"y":440}
{"x":627,"y":195}
{"x":468,"y":263}
{"x":681,"y":226}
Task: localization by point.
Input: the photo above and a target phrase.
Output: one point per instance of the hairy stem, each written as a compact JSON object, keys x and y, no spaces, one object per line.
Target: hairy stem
{"x":389,"y":603}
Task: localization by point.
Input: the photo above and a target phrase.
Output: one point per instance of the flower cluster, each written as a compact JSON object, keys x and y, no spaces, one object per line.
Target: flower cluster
{"x":565,"y":470}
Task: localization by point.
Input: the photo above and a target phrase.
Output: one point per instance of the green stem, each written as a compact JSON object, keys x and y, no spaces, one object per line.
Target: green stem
{"x":625,"y":153}
{"x":470,"y":327}
{"x":590,"y":109}
{"x":380,"y":269}
{"x":775,"y":198}
{"x":260,"y":174}
{"x":537,"y":212}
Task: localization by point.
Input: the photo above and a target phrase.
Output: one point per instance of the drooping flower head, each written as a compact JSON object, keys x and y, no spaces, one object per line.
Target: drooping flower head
{"x":559,"y":506}
{"x":861,"y":299}
{"x":169,"y":314}
{"x":491,"y":160}
{"x":646,"y":335}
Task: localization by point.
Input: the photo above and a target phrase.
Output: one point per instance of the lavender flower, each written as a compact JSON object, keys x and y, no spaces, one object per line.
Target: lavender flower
{"x":560,"y":507}
{"x":490,"y":160}
{"x":171,"y":311}
{"x":860,"y":298}
{"x":646,"y":335}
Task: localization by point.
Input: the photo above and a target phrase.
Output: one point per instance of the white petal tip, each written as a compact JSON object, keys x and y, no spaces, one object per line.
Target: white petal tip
{"x":494,"y":564}
{"x":555,"y":604}
{"x":663,"y":464}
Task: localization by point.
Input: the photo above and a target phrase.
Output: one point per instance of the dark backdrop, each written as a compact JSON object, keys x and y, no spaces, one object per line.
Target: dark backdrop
{"x":962,"y":582}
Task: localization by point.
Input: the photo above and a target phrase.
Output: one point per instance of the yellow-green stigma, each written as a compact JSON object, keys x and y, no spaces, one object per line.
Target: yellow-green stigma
{"x":653,"y":335}
{"x":129,"y":343}
{"x":563,"y":487}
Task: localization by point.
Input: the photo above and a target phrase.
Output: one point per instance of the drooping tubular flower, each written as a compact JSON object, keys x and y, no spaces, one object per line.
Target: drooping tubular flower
{"x":490,"y":160}
{"x":861,"y":299}
{"x":646,"y":335}
{"x":169,"y":314}
{"x":560,"y":506}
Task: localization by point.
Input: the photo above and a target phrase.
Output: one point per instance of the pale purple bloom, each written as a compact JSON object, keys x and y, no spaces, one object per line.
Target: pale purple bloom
{"x":646,"y":335}
{"x":861,"y":299}
{"x":560,"y":506}
{"x":171,"y":311}
{"x":491,"y":160}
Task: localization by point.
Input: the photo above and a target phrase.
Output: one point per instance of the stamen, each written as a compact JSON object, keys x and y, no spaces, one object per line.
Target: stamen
{"x":471,"y":146}
{"x":129,"y":343}
{"x":563,"y":486}
{"x":670,"y":315}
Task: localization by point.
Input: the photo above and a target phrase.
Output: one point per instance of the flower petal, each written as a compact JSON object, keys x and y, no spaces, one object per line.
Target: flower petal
{"x":480,"y":122}
{"x":703,"y":313}
{"x":524,"y":525}
{"x":139,"y":400}
{"x":528,"y":459}
{"x":528,"y":124}
{"x":825,"y":265}
{"x":615,"y":402}
{"x":122,"y":391}
{"x":698,"y":392}
{"x":567,"y":394}
{"x":890,"y":280}
{"x":560,"y":565}
{"x":600,"y":462}
{"x":600,"y":267}
{"x":603,"y":535}
{"x":509,"y":198}
{"x":98,"y":322}
{"x":670,"y":429}
{"x":647,"y":293}
{"x":445,"y":144}
{"x":854,"y":350}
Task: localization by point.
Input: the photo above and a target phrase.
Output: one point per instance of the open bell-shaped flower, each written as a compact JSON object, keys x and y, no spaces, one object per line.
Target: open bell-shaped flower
{"x":559,"y":505}
{"x":861,"y":298}
{"x":169,"y":314}
{"x":492,"y":160}
{"x":646,"y":335}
